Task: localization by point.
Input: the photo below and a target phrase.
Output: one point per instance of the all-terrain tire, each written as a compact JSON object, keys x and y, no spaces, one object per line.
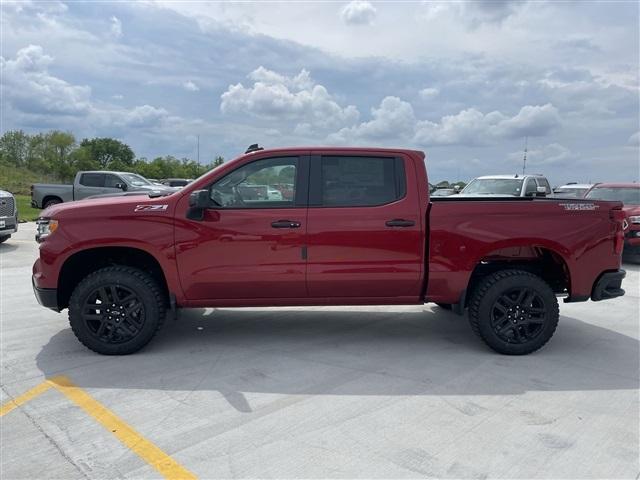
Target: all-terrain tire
{"x":504,"y":332}
{"x":150,"y":314}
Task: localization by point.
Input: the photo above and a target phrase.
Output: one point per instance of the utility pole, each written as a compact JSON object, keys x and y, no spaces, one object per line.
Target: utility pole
{"x":198,"y":155}
{"x":524,"y":159}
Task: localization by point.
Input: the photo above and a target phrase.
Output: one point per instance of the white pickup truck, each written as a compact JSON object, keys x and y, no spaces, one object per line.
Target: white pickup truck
{"x":89,"y":184}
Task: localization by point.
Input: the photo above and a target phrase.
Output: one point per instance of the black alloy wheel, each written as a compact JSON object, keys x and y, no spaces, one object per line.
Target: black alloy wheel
{"x":113,"y":313}
{"x":518,"y":315}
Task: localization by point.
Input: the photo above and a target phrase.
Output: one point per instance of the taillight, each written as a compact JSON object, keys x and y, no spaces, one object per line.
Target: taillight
{"x":619,"y":218}
{"x":31,"y":191}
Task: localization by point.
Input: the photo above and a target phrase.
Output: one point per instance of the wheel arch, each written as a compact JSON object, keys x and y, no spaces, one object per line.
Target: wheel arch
{"x":80,"y":264}
{"x":545,"y":261}
{"x":51,"y":197}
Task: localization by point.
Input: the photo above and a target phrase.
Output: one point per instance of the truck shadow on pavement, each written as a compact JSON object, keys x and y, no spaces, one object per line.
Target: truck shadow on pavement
{"x":345,"y":352}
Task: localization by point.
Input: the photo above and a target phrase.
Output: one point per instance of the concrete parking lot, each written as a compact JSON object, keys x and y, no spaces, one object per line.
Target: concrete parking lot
{"x":367,"y":392}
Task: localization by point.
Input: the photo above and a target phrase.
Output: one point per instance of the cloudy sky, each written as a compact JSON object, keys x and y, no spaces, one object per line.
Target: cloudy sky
{"x":466,"y":82}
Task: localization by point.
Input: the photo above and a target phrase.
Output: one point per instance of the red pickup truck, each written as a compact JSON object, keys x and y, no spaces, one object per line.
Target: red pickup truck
{"x":358,"y":229}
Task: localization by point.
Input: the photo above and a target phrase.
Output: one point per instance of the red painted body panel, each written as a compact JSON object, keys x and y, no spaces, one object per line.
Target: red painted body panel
{"x":463,"y":233}
{"x":234,"y":257}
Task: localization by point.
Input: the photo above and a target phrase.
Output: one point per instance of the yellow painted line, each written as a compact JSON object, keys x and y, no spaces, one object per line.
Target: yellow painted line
{"x":24,"y":398}
{"x":144,"y":448}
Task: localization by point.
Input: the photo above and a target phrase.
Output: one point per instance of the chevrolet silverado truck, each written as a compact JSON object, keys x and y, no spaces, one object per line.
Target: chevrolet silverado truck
{"x":358,"y":229}
{"x":89,"y":184}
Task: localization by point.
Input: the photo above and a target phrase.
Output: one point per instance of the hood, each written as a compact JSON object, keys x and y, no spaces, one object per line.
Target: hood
{"x":5,"y":194}
{"x":630,"y":210}
{"x":108,"y":204}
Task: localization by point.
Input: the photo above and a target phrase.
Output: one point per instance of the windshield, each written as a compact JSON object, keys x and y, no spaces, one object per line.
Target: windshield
{"x":494,"y":186}
{"x":628,"y":196}
{"x":136,"y":180}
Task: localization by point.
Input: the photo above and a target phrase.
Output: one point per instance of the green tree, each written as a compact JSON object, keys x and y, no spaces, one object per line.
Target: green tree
{"x":109,"y":153}
{"x":14,"y":148}
{"x":218,"y":161}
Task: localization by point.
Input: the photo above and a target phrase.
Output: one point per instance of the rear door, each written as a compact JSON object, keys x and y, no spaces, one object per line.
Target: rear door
{"x":89,"y":184}
{"x":364,"y":227}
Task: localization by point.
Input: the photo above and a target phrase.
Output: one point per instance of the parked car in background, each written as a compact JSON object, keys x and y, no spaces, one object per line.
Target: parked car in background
{"x":629,"y":195}
{"x":572,"y":190}
{"x":176,"y":182}
{"x":8,"y":215}
{"x":444,"y":192}
{"x":88,"y":184}
{"x":508,"y":185}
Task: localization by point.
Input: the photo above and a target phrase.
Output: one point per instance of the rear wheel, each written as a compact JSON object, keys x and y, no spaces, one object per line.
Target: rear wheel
{"x":51,"y":201}
{"x":514,"y":312}
{"x":116,"y":310}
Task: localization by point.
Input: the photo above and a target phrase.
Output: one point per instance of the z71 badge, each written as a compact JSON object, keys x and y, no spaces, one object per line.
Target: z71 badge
{"x":151,"y":208}
{"x":580,"y":206}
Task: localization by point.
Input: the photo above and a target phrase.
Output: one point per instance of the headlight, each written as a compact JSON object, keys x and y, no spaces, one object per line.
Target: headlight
{"x":634,"y":219}
{"x":46,"y":226}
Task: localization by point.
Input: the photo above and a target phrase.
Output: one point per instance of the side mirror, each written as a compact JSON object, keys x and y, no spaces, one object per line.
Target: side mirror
{"x":199,"y":199}
{"x":541,"y":192}
{"x":198,"y":202}
{"x":122,"y":186}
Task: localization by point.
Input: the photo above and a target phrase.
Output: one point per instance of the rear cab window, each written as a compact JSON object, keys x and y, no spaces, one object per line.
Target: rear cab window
{"x":356,"y":181}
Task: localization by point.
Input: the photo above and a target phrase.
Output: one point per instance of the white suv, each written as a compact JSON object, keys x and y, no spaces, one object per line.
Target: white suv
{"x":508,"y":186}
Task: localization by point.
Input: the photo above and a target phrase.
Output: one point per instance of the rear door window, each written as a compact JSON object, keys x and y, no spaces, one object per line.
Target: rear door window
{"x":357,"y":181}
{"x":92,"y":179}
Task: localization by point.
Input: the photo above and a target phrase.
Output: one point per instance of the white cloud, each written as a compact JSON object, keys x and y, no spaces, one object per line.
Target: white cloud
{"x":277,"y":97}
{"x":358,"y":12}
{"x":552,"y":154}
{"x":472,"y":127}
{"x":393,"y":119}
{"x":428,"y":93}
{"x":32,"y":89}
{"x":116,"y":27}
{"x":117,"y":96}
{"x":190,"y":86}
{"x":634,"y":139}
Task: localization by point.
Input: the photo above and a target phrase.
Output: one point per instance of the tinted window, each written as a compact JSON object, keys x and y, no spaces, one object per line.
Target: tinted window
{"x":531,"y":187}
{"x":110,"y":181}
{"x":92,"y":179}
{"x":361,"y":181}
{"x":268,"y":183}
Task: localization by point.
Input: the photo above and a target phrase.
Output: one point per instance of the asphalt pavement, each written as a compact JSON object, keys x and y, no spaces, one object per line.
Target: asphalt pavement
{"x":331,"y":392}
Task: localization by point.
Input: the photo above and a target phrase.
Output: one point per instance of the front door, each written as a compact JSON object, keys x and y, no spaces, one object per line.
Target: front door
{"x":249,"y":245}
{"x":364,"y":228}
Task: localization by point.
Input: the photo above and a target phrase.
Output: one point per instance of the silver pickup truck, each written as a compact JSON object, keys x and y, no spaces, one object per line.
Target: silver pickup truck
{"x":89,"y":184}
{"x":8,"y":215}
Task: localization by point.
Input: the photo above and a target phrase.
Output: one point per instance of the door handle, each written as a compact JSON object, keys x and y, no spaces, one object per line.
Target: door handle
{"x":285,"y":224}
{"x":399,"y":222}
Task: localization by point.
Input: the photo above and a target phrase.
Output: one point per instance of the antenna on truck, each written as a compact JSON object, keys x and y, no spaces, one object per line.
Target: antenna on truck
{"x":524,"y":159}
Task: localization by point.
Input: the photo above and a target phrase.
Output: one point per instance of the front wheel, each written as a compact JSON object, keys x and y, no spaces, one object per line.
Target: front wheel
{"x":5,"y":238}
{"x":116,"y":310}
{"x":514,"y":312}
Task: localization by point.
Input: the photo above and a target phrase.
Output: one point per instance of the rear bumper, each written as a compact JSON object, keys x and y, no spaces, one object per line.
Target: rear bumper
{"x":608,"y":286}
{"x":47,"y":297}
